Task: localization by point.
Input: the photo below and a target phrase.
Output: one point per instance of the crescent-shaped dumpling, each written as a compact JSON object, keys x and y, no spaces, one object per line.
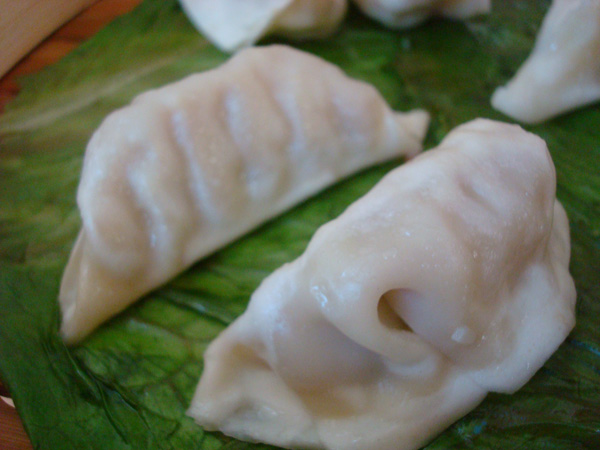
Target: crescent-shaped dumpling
{"x":234,"y":24}
{"x":188,"y":168}
{"x":448,"y":280}
{"x":408,"y":13}
{"x":563,"y":71}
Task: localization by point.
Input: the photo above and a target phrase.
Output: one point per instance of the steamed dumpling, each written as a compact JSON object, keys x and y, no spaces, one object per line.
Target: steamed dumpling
{"x":407,"y":13}
{"x":448,"y":280}
{"x":563,"y":71}
{"x":188,"y":168}
{"x":234,"y":24}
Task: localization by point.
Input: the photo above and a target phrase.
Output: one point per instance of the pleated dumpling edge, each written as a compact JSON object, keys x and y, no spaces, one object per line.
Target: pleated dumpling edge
{"x":189,"y":167}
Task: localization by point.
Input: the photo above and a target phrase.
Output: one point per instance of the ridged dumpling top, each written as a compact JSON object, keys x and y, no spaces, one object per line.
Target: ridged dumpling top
{"x":187,"y":168}
{"x":563,"y":71}
{"x":449,"y":279}
{"x":235,"y":24}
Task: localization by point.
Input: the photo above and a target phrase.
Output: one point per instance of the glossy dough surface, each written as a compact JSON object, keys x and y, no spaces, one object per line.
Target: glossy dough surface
{"x":563,"y":71}
{"x":234,"y":24}
{"x":449,"y":279}
{"x":188,"y":168}
{"x":407,"y":13}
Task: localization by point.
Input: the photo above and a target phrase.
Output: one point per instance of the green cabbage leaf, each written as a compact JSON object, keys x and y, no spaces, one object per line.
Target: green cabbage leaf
{"x":128,"y":385}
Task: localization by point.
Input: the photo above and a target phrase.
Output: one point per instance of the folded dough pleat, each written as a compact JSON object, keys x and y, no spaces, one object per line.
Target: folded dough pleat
{"x":235,"y":24}
{"x":188,"y":168}
{"x":563,"y":71}
{"x":447,"y":280}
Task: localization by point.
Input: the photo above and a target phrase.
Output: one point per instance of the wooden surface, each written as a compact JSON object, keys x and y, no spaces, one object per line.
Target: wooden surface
{"x":12,"y":434}
{"x":65,"y":39}
{"x":24,"y":23}
{"x":62,"y":42}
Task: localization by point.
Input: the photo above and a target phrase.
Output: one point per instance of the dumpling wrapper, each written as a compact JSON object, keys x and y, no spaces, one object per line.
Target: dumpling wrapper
{"x":449,"y":279}
{"x":563,"y":71}
{"x":235,"y":24}
{"x":190,"y":167}
{"x":408,"y":13}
